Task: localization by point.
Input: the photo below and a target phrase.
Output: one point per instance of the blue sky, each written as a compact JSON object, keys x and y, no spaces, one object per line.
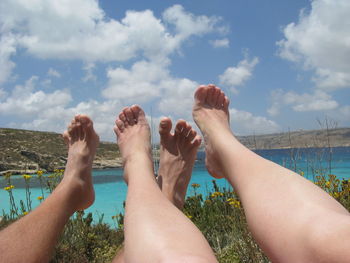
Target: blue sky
{"x":284,"y":64}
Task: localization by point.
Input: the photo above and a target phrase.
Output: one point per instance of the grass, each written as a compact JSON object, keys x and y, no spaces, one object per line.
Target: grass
{"x":219,"y":215}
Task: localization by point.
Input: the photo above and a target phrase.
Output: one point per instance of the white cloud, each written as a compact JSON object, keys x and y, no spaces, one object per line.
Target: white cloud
{"x":53,"y":73}
{"x":244,"y":123}
{"x":82,"y":30}
{"x":187,"y":24}
{"x":24,"y":101}
{"x":38,"y":110}
{"x":345,"y":112}
{"x":89,"y":72}
{"x":320,"y":41}
{"x":317,"y":101}
{"x":178,"y":97}
{"x":3,"y":94}
{"x":237,"y":76}
{"x":150,"y":81}
{"x":218,"y":43}
{"x":140,"y":83}
{"x":7,"y":49}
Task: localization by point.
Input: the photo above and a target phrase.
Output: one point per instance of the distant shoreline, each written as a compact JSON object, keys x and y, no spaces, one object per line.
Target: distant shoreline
{"x":24,"y":151}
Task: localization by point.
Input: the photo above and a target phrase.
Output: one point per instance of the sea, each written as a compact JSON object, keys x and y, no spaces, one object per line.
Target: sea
{"x":111,"y":190}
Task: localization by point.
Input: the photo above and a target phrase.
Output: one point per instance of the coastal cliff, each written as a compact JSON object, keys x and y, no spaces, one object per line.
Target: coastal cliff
{"x":24,"y":151}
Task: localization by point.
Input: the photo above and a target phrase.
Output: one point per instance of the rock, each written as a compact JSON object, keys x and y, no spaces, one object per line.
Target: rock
{"x":31,"y":155}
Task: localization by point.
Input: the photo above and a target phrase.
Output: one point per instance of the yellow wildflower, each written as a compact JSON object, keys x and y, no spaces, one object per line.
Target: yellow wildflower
{"x":39,"y":173}
{"x":25,"y":213}
{"x":230,"y":200}
{"x":27,"y":176}
{"x":302,"y":173}
{"x":9,"y":188}
{"x":336,"y":195}
{"x":195,"y":185}
{"x":328,"y":184}
{"x":215,"y":194}
{"x":235,"y":203}
{"x":40,"y":198}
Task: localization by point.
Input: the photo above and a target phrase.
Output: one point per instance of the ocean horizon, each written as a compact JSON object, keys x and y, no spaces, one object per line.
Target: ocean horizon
{"x":111,"y":190}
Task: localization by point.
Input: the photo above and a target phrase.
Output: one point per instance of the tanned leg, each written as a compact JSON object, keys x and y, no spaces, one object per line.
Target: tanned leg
{"x":33,"y":237}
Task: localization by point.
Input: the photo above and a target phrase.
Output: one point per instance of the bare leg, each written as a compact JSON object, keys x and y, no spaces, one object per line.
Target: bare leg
{"x":177,"y":156}
{"x":33,"y":237}
{"x":155,"y":230}
{"x":292,"y":219}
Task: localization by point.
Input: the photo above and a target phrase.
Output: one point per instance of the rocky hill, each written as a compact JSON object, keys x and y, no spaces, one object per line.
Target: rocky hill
{"x":24,"y":151}
{"x":299,"y":139}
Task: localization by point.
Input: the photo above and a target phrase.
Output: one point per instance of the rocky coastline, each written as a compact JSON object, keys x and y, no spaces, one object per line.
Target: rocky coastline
{"x":24,"y":151}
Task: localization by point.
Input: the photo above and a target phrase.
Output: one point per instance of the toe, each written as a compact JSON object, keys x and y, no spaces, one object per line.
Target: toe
{"x":210,"y":95}
{"x":72,"y":129}
{"x":122,"y":117}
{"x":180,"y":126}
{"x":221,"y":99}
{"x":186,"y":130}
{"x":120,"y":125}
{"x":216,"y":96}
{"x":165,"y":127}
{"x":87,"y":124}
{"x":135,"y":109}
{"x":201,"y":94}
{"x":79,"y":128}
{"x":117,"y":130}
{"x":129,"y":116}
{"x":192,"y":134}
{"x":197,"y":141}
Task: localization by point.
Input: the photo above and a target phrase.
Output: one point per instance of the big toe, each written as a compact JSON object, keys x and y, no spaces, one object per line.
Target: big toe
{"x":201,"y":94}
{"x":139,"y":114}
{"x":164,"y":128}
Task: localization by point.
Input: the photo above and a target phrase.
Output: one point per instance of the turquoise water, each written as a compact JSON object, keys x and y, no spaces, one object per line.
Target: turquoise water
{"x":111,"y":190}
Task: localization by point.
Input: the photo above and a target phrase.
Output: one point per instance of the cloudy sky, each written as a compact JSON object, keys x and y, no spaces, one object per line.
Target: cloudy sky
{"x":284,"y":64}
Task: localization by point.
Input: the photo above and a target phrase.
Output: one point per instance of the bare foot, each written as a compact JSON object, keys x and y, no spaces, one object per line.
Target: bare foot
{"x":178,"y":153}
{"x":82,"y":142}
{"x":210,"y":112}
{"x":133,"y":134}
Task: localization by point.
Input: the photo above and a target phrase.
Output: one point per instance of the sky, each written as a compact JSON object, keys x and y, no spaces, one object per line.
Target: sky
{"x":285,"y":65}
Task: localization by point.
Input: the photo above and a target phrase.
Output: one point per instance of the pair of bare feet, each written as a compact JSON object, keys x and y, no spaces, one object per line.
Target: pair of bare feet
{"x":177,"y":153}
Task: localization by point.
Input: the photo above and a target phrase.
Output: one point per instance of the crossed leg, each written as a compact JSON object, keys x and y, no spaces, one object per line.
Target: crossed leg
{"x":155,"y":230}
{"x":33,"y":237}
{"x":292,"y":219}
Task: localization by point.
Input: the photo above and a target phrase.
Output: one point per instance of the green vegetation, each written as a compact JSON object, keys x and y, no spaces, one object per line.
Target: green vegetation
{"x":28,"y":151}
{"x":219,"y":215}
